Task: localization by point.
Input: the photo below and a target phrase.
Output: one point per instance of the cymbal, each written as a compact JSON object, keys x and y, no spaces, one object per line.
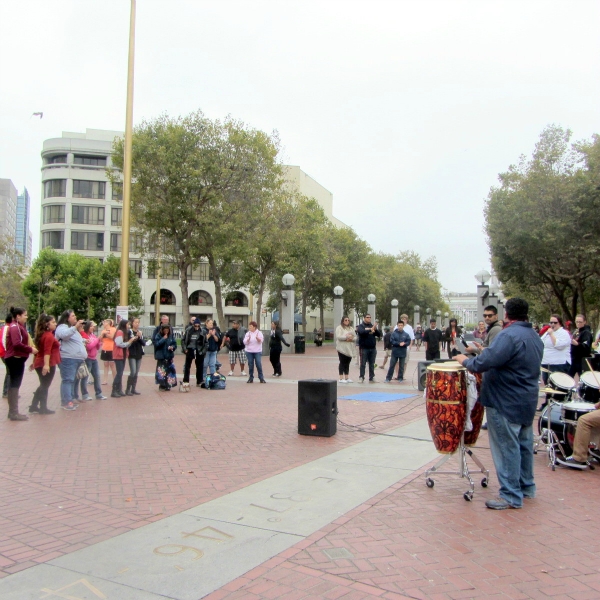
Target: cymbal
{"x":553,"y":391}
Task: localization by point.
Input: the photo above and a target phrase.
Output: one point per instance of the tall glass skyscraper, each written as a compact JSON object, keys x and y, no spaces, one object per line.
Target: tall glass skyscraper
{"x":22,"y":234}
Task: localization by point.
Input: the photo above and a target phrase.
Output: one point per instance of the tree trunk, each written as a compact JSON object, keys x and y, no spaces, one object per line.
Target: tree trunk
{"x":218,"y":291}
{"x":322,"y":310}
{"x":185,"y":300}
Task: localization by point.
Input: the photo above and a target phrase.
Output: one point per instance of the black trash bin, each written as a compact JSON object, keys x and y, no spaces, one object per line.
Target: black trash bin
{"x":299,"y":344}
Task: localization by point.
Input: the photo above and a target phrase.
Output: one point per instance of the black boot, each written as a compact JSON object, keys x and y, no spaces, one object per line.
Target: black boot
{"x":128,"y":391}
{"x":44,"y":410}
{"x":13,"y":406}
{"x":133,"y":384}
{"x":35,"y":404}
{"x":115,"y":391}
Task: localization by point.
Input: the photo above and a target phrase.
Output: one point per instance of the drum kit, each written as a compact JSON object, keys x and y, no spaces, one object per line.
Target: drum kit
{"x":565,"y":404}
{"x":447,"y":417}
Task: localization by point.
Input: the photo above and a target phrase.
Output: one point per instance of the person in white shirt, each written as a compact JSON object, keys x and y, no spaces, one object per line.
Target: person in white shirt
{"x":407,"y":329}
{"x":557,"y":348}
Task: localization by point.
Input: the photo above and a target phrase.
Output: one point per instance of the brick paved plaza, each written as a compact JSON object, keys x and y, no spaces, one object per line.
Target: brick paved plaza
{"x":71,"y":480}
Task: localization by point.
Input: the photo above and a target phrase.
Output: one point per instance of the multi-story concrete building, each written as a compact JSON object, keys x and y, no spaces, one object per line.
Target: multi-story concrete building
{"x":23,"y":239}
{"x":8,"y":208}
{"x":82,"y":212}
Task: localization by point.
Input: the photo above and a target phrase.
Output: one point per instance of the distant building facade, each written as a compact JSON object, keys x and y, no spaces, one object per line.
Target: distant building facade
{"x":23,"y":239}
{"x":8,"y":208}
{"x":82,"y":212}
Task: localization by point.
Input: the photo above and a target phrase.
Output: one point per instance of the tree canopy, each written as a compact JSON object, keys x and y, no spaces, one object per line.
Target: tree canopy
{"x":542,"y":223}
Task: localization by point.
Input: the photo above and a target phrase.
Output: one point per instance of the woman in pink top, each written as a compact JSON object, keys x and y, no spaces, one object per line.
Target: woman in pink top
{"x":92,"y":346}
{"x":253,"y":340}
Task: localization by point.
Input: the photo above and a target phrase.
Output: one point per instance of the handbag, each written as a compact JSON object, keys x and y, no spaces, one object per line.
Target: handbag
{"x":82,"y":371}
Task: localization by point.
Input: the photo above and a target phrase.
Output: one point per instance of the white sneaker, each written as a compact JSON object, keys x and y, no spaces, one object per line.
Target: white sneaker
{"x":342,"y":381}
{"x":361,"y":380}
{"x":349,"y":381}
{"x":244,"y":373}
{"x":230,"y":374}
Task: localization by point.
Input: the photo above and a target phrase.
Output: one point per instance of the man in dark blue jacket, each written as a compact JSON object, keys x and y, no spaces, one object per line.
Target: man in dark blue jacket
{"x":367,"y":344}
{"x":509,"y":391}
{"x":400,"y":341}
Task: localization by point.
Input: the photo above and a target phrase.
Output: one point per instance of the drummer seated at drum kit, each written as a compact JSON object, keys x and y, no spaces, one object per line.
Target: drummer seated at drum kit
{"x":585,"y":425}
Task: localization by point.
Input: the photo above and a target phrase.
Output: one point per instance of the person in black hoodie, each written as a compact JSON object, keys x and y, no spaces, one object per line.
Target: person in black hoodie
{"x":367,"y":343}
{"x":193,"y":345}
{"x":213,"y":345}
{"x":581,"y":346}
{"x":275,"y":348}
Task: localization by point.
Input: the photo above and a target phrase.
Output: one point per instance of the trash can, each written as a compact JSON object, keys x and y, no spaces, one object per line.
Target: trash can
{"x":299,"y":344}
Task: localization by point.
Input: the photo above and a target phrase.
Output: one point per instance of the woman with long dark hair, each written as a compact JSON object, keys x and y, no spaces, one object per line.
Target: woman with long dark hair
{"x":72,"y":355}
{"x":4,"y":333}
{"x":136,"y":353}
{"x":122,"y":343}
{"x":345,"y":338}
{"x":17,"y":352}
{"x":92,"y":345}
{"x":453,"y":332}
{"x":45,"y":362}
{"x":164,"y":352}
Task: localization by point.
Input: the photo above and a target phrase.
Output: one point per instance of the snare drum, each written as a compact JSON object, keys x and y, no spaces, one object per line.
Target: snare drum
{"x":561,"y":382}
{"x":588,"y":387}
{"x":571,"y":411}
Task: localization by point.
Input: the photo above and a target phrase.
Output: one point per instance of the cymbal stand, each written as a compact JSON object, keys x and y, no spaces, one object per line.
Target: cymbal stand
{"x":548,"y":436}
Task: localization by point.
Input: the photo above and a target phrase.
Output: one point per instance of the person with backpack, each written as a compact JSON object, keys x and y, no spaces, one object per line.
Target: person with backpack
{"x":193,"y":345}
{"x":234,"y":340}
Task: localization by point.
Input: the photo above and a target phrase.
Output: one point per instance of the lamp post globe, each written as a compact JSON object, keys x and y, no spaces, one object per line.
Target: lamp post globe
{"x":428,"y":311}
{"x":288,"y":280}
{"x":446,"y":315}
{"x":438,"y":313}
{"x":338,"y":290}
{"x":394,"y":302}
{"x":483,"y":276}
{"x":494,"y":288}
{"x":371,"y":298}
{"x":416,"y":308}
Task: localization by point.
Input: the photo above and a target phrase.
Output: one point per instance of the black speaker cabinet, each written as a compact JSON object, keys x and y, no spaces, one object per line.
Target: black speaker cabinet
{"x":422,"y":371}
{"x":317,"y":407}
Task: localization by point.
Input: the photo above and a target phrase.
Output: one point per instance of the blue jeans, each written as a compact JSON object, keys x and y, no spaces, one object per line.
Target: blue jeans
{"x":368,"y":355}
{"x":211,"y":361}
{"x":68,"y":370}
{"x":393,"y":361}
{"x":134,"y":366}
{"x":254,"y":357}
{"x":512,"y":451}
{"x":94,"y":369}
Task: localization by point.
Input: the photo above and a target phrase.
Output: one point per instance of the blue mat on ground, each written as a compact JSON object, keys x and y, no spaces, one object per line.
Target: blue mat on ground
{"x":377,"y":396}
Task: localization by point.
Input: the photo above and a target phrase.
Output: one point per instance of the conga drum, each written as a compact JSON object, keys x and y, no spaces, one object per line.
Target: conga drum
{"x":446,"y":405}
{"x":476,"y":416}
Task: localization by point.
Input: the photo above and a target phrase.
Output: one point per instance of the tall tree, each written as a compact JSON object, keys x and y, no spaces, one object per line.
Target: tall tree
{"x":193,"y":178}
{"x":11,"y":276}
{"x":542,"y":221}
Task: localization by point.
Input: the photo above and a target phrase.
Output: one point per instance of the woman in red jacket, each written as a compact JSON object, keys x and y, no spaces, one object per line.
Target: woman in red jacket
{"x":17,"y":352}
{"x":45,"y":362}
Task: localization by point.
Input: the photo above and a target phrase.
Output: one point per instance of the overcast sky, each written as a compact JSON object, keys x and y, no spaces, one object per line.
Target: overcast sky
{"x":405,"y":110}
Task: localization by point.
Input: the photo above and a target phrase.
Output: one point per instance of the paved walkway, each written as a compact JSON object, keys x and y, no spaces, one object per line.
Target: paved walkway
{"x":72,"y":480}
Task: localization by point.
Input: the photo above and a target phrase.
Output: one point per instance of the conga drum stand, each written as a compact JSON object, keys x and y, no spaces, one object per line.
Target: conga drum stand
{"x":463,"y":471}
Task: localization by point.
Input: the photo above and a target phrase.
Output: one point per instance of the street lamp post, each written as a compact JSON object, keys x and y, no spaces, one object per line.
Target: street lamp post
{"x":338,"y":305}
{"x":394,"y":312}
{"x":124,"y":280}
{"x":286,"y":313}
{"x":371,"y":307}
{"x":416,"y":315}
{"x":483,"y":291}
{"x":446,"y":322}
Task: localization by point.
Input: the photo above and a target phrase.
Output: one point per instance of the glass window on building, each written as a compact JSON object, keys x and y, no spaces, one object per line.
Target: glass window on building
{"x":87,"y":215}
{"x":53,"y":239}
{"x":200,"y":272}
{"x":89,"y":189}
{"x":87,"y":240}
{"x":54,"y":213}
{"x":136,"y":266}
{"x":59,"y":159}
{"x":116,"y":217}
{"x":90,"y":161}
{"x":117,"y":191}
{"x":55,"y":188}
{"x":135,"y":242}
{"x":169,"y":270}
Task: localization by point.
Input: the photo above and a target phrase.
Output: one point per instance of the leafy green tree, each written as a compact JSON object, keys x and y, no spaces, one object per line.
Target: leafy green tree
{"x":61,"y":281}
{"x":11,"y":276}
{"x":542,"y":223}
{"x":194,"y":181}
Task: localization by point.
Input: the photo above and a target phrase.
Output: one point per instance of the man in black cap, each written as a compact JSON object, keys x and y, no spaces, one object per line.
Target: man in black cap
{"x":432,"y":338}
{"x":193,"y":345}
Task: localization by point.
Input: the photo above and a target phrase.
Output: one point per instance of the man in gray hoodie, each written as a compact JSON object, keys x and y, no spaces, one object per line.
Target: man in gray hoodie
{"x":72,"y":355}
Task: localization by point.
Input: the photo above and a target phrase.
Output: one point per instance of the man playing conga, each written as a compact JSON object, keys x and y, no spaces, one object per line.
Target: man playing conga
{"x":509,"y":391}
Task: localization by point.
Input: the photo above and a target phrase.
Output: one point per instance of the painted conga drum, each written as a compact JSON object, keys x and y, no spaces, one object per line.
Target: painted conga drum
{"x":446,"y":405}
{"x":476,"y":416}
